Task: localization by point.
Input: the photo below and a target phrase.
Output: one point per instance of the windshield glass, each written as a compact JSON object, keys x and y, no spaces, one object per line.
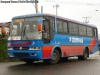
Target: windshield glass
{"x":30,"y":30}
{"x":26,"y":28}
{"x":16,"y":29}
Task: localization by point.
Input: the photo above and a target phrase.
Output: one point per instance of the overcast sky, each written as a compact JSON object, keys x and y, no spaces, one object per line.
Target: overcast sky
{"x":73,"y":9}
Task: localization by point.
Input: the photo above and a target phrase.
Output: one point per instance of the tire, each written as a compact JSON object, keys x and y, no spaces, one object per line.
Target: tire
{"x":84,"y":56}
{"x":56,"y":57}
{"x":29,"y":61}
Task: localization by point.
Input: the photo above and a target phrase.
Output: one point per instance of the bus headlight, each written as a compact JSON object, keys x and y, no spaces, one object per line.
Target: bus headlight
{"x":34,"y":48}
{"x":10,"y":48}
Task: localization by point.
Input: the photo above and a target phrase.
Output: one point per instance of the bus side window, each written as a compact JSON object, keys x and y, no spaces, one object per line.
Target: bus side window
{"x":46,"y":26}
{"x":51,"y":27}
{"x":89,"y":31}
{"x":59,"y":26}
{"x":65,"y":29}
{"x":94,"y":32}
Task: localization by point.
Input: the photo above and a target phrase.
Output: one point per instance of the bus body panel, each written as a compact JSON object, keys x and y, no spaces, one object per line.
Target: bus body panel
{"x":74,"y":45}
{"x":25,"y":54}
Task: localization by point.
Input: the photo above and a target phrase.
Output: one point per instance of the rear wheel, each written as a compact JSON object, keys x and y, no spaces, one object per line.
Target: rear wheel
{"x":84,"y":56}
{"x":55,"y":58}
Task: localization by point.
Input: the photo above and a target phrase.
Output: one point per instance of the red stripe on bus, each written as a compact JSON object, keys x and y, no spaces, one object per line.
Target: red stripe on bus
{"x":22,"y":44}
{"x":72,"y":50}
{"x":47,"y":51}
{"x":92,"y":44}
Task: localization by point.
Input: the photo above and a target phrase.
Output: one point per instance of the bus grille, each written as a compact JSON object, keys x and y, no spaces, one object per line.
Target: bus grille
{"x":23,"y":48}
{"x":21,"y":54}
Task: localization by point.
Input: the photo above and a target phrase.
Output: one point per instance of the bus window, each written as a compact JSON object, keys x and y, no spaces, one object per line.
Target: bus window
{"x":95,"y":30}
{"x":51,"y":27}
{"x":89,"y":31}
{"x":73,"y":28}
{"x":46,"y":26}
{"x":59,"y":26}
{"x":65,"y":30}
{"x":14,"y":30}
{"x":27,"y":29}
{"x":82,"y":30}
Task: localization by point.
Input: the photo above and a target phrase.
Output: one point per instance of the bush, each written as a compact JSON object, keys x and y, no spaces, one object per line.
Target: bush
{"x":3,"y":47}
{"x":3,"y":50}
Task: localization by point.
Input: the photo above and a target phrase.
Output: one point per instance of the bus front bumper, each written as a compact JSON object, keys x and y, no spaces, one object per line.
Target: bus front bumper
{"x":25,"y":54}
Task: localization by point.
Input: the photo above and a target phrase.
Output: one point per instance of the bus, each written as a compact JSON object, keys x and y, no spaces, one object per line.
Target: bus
{"x":50,"y":38}
{"x":5,"y":28}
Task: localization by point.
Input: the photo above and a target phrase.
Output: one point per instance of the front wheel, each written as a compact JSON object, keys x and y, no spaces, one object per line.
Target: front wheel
{"x":55,"y":58}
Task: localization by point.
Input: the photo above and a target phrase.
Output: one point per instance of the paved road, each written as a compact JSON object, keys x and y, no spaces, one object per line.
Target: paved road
{"x":72,"y":67}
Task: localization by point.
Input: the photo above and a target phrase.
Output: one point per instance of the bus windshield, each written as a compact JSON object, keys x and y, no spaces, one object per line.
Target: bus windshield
{"x":16,"y":29}
{"x":26,"y":28}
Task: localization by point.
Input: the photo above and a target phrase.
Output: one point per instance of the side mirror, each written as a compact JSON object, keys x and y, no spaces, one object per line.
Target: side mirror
{"x":39,"y":27}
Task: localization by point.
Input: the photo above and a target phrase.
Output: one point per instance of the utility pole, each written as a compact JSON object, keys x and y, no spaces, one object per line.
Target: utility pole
{"x":56,"y":8}
{"x":86,"y":19}
{"x":41,"y":9}
{"x":36,"y":6}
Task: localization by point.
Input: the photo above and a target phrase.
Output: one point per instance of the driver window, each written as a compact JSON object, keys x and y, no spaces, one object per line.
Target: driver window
{"x":46,"y":26}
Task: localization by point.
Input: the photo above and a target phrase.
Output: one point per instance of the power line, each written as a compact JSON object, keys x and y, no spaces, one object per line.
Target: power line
{"x":49,"y":2}
{"x":53,"y":1}
{"x":92,"y":11}
{"x":94,"y":14}
{"x":90,"y":14}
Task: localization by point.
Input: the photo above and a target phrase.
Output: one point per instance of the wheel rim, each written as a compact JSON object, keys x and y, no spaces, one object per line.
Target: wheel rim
{"x":85,"y":55}
{"x":54,"y":56}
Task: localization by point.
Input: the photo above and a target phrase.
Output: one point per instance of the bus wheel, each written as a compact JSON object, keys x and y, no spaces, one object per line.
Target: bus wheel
{"x":55,"y":58}
{"x":84,"y":56}
{"x":29,"y":61}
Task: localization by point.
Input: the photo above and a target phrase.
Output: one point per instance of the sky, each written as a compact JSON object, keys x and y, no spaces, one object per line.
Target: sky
{"x":72,"y":9}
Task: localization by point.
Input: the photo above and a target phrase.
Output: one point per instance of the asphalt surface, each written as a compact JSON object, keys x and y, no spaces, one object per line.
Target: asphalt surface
{"x":71,"y":67}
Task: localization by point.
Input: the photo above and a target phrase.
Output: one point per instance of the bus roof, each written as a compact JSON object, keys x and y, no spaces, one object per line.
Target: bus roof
{"x":46,"y":14}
